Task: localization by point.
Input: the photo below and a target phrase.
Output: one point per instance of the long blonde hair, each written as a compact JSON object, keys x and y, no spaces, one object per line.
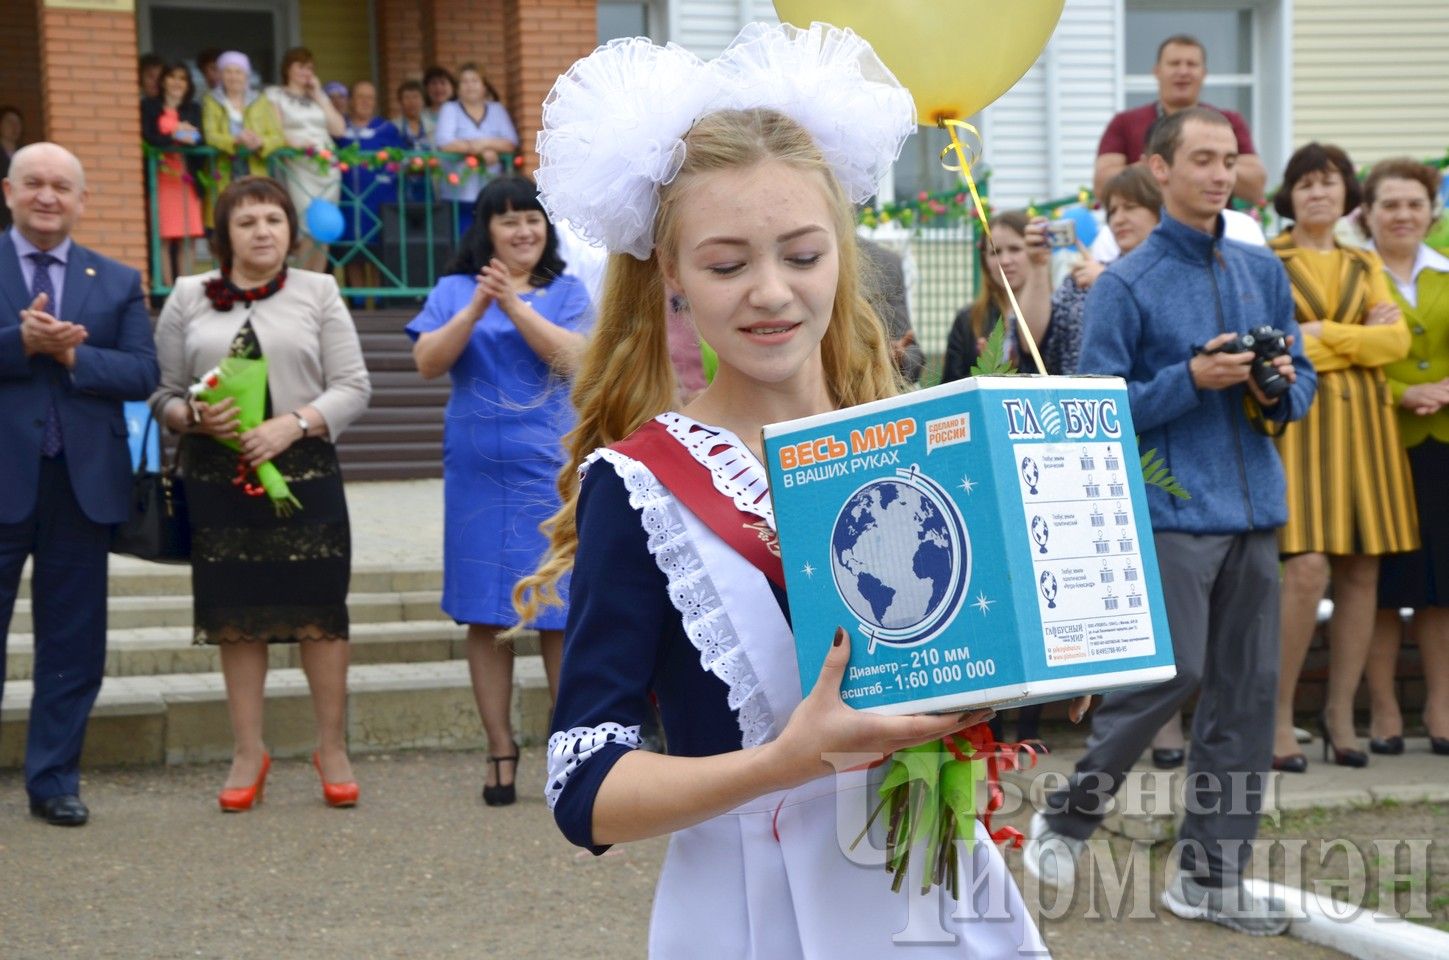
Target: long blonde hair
{"x":626,"y":378}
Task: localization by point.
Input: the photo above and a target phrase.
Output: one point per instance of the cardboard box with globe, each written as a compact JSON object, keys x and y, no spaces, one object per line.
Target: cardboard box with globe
{"x":985,"y":542}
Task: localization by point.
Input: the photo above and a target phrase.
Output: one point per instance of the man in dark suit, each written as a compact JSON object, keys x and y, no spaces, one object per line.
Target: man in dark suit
{"x":75,"y":341}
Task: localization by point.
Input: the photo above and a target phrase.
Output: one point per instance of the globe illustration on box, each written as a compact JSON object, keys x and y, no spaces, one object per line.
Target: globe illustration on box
{"x":901,"y":558}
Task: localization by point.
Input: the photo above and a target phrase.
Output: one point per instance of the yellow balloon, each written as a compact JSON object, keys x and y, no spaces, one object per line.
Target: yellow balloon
{"x":955,"y":56}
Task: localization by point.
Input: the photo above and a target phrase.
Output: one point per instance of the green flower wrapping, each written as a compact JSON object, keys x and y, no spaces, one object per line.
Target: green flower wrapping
{"x":245,"y":381}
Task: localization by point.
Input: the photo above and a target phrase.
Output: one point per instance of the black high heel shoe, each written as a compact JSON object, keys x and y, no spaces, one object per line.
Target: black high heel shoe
{"x":502,"y":794}
{"x":1440,"y":745}
{"x":1389,"y":746}
{"x":1344,"y":758}
{"x":1292,"y":763}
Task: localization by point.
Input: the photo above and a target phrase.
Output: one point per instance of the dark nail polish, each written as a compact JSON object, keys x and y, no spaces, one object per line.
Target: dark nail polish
{"x":839,"y":636}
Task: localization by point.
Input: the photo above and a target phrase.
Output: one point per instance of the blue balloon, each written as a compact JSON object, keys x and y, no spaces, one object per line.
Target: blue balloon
{"x":1086,"y":223}
{"x":324,"y":220}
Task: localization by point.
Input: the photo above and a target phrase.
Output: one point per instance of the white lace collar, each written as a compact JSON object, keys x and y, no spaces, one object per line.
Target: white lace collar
{"x":731,"y":465}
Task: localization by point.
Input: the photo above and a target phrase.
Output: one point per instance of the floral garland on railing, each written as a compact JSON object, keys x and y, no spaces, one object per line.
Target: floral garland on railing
{"x":392,"y":160}
{"x":407,"y":162}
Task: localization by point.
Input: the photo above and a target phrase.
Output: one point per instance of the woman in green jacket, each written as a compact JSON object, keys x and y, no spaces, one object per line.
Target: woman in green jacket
{"x":1399,"y":199}
{"x":239,"y":123}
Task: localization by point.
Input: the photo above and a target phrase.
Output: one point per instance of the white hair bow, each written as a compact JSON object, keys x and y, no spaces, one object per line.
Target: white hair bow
{"x":614,"y":124}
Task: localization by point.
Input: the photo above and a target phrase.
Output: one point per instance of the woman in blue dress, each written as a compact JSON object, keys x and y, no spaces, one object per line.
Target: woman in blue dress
{"x":504,"y":323}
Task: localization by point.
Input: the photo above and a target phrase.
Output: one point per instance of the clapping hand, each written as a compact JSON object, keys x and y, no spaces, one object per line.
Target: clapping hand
{"x":495,"y":280}
{"x":41,"y":333}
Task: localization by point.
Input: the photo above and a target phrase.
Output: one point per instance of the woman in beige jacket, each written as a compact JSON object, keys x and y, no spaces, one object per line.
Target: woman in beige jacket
{"x":258,"y":576}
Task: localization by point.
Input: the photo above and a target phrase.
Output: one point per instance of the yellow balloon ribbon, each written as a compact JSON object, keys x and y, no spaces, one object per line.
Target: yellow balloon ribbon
{"x":966,"y":159}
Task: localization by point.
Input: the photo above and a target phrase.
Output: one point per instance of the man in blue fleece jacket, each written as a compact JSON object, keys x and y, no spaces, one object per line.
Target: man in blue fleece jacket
{"x":1153,"y":318}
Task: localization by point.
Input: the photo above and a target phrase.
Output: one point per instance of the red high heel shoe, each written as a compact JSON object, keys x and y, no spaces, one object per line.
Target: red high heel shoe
{"x":336,"y":794}
{"x":237,"y":799}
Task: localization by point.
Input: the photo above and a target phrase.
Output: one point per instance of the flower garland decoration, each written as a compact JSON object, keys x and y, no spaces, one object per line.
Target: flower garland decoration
{"x":415,"y":163}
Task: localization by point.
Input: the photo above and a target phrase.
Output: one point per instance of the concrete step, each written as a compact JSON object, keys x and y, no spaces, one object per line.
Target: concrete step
{"x":174,"y":610}
{"x":130,"y":577}
{"x":182,"y":718}
{"x":150,"y":651}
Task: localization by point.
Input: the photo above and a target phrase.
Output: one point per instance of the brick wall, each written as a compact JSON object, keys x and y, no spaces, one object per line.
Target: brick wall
{"x":471,"y":32}
{"x":522,"y":46}
{"x":88,"y":66}
{"x":399,"y":48}
{"x":20,"y":66}
{"x":544,"y":38}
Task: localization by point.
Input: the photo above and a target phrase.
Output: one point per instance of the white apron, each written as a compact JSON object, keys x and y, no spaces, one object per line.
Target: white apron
{"x":772,"y":879}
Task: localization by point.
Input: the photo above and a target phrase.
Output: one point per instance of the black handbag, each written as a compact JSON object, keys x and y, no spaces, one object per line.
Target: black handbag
{"x":157,"y":527}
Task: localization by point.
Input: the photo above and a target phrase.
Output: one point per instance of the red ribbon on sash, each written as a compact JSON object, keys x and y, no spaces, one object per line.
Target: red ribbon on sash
{"x":691,"y":484}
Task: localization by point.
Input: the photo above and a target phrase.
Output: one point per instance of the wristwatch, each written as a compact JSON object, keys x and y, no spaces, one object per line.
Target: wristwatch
{"x":302,"y":422}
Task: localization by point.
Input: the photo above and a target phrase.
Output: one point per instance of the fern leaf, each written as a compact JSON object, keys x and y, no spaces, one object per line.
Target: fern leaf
{"x":993,"y":360}
{"x":1156,"y":474}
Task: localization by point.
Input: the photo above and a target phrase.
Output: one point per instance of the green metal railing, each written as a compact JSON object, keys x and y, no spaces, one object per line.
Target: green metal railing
{"x":396,"y":220}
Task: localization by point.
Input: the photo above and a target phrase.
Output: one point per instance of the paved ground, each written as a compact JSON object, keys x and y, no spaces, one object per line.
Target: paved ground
{"x":392,"y":522}
{"x":420,"y":869}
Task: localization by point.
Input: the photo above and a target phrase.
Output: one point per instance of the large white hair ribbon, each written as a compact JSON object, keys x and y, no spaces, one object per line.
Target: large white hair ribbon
{"x":614,"y":124}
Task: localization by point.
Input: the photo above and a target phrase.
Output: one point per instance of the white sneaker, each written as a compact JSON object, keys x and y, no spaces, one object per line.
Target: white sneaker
{"x":1050,"y":856}
{"x":1233,"y":907}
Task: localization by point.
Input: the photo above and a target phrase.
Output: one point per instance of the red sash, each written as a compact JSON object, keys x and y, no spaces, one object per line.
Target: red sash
{"x":691,"y":484}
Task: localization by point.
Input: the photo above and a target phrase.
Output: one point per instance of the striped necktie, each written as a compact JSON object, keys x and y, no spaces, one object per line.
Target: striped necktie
{"x":51,"y":444}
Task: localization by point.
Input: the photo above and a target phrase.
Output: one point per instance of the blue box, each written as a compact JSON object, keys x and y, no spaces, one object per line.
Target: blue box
{"x":986,"y":542}
{"x":144,"y":442}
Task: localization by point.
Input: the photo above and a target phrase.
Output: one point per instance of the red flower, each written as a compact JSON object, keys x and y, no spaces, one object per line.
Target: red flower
{"x":923,"y":196}
{"x":518,"y":160}
{"x":343,"y":167}
{"x":381,"y":155}
{"x":453,"y":179}
{"x":471,"y":161}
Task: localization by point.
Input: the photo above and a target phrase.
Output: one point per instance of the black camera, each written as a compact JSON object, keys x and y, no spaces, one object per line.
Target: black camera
{"x":1266,"y":344}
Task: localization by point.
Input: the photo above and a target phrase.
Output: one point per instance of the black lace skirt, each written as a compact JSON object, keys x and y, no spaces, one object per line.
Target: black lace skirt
{"x":257,"y":576}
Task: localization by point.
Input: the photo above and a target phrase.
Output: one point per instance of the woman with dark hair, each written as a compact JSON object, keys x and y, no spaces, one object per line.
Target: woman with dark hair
{"x":309,"y":121}
{"x":1350,"y":499}
{"x":504,"y":324}
{"x":1399,"y":211}
{"x":12,"y":129}
{"x":477,"y":125}
{"x":259,"y":577}
{"x":440,"y":86}
{"x":1023,"y":255}
{"x":174,"y":120}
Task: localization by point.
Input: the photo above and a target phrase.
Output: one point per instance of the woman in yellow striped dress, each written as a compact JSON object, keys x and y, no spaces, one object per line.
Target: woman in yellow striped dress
{"x":1350,"y":497}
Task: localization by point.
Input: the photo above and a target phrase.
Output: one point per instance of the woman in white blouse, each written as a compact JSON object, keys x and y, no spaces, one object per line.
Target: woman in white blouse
{"x":478,"y":125}
{"x":309,"y":121}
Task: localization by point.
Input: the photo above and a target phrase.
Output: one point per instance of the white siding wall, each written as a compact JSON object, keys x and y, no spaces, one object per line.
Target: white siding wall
{"x":706,"y":26}
{"x":1372,"y":78}
{"x":1041,"y":146}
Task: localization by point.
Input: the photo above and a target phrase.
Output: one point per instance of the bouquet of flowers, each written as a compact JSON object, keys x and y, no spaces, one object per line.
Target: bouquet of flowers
{"x":246,"y":382}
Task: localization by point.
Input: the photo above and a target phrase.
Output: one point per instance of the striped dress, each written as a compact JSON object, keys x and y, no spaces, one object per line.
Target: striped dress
{"x":1349,"y":487}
